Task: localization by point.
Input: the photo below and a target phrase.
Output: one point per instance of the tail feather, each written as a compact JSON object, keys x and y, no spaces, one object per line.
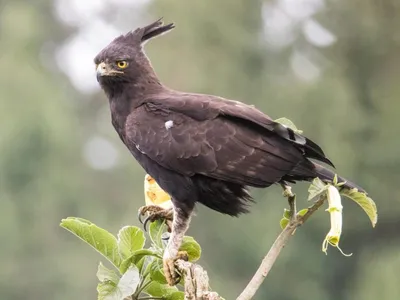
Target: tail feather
{"x":308,"y":170}
{"x":326,"y":174}
{"x":312,"y":150}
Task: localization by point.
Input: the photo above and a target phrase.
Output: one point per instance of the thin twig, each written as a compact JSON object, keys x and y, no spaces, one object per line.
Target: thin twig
{"x":269,"y":260}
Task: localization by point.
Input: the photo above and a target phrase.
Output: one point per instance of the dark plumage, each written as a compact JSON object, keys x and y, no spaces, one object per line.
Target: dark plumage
{"x":199,"y":148}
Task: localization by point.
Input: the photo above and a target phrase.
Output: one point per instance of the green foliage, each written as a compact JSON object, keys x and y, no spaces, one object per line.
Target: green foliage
{"x":125,"y":287}
{"x":130,"y":239}
{"x":101,"y":240}
{"x":316,"y":188}
{"x":175,"y":296}
{"x":140,"y":270}
{"x":156,"y":230}
{"x":302,"y":212}
{"x":192,"y":248}
{"x":106,"y":275}
{"x":284,"y":222}
{"x":286,"y":216}
{"x":319,"y":188}
{"x":366,"y":203}
{"x":156,"y":272}
{"x":137,"y":259}
{"x":289,"y":124}
{"x":163,"y":290}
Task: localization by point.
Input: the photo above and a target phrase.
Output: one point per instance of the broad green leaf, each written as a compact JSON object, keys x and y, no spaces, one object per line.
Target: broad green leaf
{"x":286,"y":213}
{"x":156,"y":230}
{"x":316,"y":188}
{"x":176,"y":296}
{"x":192,"y":248}
{"x":104,"y":274}
{"x":126,"y":286}
{"x":104,"y":289}
{"x":284,"y":222}
{"x":156,"y":271}
{"x":130,"y":239}
{"x":366,"y":203}
{"x":160,"y":290}
{"x":129,"y":281}
{"x":136,"y":257}
{"x":289,"y":124}
{"x":100,"y":239}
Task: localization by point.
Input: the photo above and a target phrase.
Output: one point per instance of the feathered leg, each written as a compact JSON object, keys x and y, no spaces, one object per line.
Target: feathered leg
{"x":180,"y":225}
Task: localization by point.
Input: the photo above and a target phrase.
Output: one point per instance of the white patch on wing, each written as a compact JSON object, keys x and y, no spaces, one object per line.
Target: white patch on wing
{"x":169,"y":124}
{"x":141,"y":151}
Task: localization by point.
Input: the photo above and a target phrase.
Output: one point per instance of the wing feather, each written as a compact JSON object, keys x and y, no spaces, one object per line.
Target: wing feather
{"x":205,"y":107}
{"x":216,"y":147}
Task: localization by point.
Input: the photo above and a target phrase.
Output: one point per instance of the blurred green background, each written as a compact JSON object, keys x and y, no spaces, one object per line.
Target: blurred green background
{"x":333,"y":67}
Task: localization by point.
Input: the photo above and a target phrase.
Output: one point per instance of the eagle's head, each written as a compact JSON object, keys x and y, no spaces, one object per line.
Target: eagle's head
{"x":123,"y":59}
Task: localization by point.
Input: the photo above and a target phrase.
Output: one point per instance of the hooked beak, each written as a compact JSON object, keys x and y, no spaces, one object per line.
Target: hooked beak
{"x":102,"y":70}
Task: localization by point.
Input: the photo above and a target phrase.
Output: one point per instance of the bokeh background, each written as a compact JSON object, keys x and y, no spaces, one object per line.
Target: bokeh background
{"x":333,"y":67}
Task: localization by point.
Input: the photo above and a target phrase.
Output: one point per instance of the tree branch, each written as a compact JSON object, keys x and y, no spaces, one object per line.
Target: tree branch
{"x":269,"y":260}
{"x":196,"y":282}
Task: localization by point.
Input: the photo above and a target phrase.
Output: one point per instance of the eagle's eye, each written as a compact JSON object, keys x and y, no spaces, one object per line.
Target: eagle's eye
{"x":122,"y":64}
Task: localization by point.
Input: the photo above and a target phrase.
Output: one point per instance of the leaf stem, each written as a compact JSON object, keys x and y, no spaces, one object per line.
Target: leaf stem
{"x":142,"y":287}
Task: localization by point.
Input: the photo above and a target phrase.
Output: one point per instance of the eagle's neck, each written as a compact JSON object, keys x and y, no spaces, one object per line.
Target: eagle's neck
{"x":127,"y":96}
{"x":120,"y":107}
{"x":129,"y":93}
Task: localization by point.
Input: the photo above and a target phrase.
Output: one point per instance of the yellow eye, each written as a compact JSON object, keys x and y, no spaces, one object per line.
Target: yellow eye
{"x":122,"y":64}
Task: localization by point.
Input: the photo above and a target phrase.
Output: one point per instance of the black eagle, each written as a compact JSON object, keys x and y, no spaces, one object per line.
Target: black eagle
{"x":199,"y":148}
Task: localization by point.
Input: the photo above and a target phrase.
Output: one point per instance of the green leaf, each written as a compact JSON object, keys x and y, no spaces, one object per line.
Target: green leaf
{"x":135,"y":258}
{"x":302,"y":212}
{"x":160,"y":290}
{"x":130,"y":239}
{"x":129,"y":281}
{"x":104,"y":289}
{"x":176,"y":296}
{"x":289,"y":124}
{"x":366,"y":203}
{"x":286,"y":213}
{"x":104,"y":274}
{"x":316,"y":188}
{"x":100,"y":239}
{"x":284,"y":222}
{"x":156,"y":230}
{"x":156,"y":271}
{"x":126,"y":286}
{"x":192,"y":248}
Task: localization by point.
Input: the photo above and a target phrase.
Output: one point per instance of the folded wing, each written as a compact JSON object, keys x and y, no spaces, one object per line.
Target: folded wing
{"x":206,"y":107}
{"x":221,"y":146}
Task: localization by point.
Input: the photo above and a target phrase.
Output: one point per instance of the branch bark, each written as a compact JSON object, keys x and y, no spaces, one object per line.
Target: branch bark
{"x":196,"y":282}
{"x":269,"y":260}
